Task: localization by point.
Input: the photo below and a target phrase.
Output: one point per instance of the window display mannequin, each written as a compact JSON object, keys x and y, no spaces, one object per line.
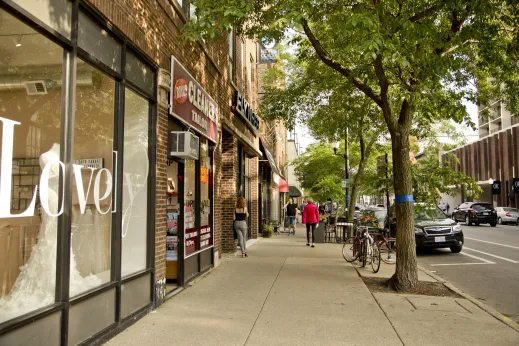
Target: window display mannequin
{"x":35,"y":286}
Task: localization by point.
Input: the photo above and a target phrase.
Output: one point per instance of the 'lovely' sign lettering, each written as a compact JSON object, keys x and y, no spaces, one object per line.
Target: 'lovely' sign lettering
{"x":52,"y":169}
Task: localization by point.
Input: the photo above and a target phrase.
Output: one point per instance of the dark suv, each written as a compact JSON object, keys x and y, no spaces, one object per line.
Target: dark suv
{"x":433,"y":229}
{"x":475,"y":213}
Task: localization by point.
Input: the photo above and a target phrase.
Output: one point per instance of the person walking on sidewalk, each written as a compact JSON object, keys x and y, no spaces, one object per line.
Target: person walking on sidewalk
{"x":240,"y":224}
{"x":311,"y":219}
{"x":291,"y":209}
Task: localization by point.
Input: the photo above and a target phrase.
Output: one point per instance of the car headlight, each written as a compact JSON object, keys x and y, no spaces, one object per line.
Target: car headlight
{"x":456,"y":229}
{"x":418,"y":231}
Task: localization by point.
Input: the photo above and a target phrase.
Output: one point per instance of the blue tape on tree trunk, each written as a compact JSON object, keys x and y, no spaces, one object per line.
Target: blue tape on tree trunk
{"x":404,"y":199}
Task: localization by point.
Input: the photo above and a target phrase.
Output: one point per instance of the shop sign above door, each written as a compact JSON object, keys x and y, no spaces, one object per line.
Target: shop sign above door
{"x":190,"y":103}
{"x":242,"y":108}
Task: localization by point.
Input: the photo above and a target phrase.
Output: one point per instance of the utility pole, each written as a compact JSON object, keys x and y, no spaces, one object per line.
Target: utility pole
{"x":347,"y":172}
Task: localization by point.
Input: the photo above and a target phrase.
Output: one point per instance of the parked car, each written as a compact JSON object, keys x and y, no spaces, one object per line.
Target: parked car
{"x":475,"y":213}
{"x":507,"y":215}
{"x":433,"y":229}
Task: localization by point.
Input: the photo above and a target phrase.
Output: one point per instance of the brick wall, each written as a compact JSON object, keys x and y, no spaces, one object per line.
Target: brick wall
{"x":228,"y":193}
{"x":161,"y":187}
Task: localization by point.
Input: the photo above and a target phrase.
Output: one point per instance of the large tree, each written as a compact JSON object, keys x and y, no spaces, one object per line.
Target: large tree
{"x":333,"y":111}
{"x":413,"y":57}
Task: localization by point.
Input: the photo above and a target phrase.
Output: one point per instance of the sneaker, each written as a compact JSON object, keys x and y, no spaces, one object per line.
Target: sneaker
{"x":313,"y":245}
{"x":307,"y":244}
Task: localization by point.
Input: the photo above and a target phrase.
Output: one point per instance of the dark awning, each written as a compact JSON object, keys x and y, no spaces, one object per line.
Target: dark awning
{"x":270,"y":158}
{"x":294,"y":191}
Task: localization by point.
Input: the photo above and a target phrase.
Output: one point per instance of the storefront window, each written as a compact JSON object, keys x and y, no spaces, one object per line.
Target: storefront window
{"x":206,"y":239}
{"x":92,"y":183}
{"x":57,"y":14}
{"x":190,"y":231}
{"x":30,"y":124}
{"x":98,"y":42}
{"x":135,"y":183}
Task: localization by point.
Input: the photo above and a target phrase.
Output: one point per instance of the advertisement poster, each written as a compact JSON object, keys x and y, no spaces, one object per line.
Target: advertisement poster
{"x":205,"y":237}
{"x":172,"y":223}
{"x":171,"y":248}
{"x":191,"y":233}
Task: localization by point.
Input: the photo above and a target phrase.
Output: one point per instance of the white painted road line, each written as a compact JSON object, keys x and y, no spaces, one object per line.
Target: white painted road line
{"x":483,"y":261}
{"x":478,"y":258}
{"x":491,"y":255}
{"x":489,"y":242}
{"x":457,"y":264}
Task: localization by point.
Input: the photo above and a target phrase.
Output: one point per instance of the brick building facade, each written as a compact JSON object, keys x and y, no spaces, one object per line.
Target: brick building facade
{"x":144,"y":34}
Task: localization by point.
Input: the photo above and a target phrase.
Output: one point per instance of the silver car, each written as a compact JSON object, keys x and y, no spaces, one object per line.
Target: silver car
{"x":507,"y":215}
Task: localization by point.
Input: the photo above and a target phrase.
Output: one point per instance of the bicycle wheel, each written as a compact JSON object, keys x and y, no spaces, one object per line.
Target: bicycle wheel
{"x":375,"y":257}
{"x":350,"y":249}
{"x":387,"y":251}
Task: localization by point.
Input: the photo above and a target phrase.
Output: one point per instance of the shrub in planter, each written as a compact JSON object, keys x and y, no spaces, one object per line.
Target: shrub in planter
{"x":268,"y":231}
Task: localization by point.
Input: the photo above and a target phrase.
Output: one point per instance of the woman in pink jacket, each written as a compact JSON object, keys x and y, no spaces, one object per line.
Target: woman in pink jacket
{"x":310,"y":218}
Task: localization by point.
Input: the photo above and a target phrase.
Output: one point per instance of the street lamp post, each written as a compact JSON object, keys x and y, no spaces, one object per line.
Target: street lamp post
{"x":346,"y":168}
{"x":491,"y":183}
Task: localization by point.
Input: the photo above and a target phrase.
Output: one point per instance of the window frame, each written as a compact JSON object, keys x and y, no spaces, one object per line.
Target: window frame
{"x":71,"y":53}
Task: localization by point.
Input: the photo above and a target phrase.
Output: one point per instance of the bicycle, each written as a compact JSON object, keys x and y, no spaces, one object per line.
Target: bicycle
{"x":387,"y":247}
{"x":362,"y":246}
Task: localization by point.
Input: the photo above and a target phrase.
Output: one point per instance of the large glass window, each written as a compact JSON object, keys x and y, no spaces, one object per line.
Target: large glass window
{"x":190,"y":231}
{"x":135,"y":183}
{"x":206,"y":239}
{"x":57,"y":14}
{"x":92,"y":184}
{"x":30,"y":123}
{"x":98,"y":42}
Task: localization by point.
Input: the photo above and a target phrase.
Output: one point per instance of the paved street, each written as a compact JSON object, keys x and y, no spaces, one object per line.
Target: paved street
{"x":487,"y":268}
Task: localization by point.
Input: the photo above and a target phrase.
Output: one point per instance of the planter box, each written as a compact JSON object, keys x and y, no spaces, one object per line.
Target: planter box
{"x":266,"y":234}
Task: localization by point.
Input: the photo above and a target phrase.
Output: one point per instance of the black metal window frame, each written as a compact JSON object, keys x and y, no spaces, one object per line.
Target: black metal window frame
{"x":71,"y":53}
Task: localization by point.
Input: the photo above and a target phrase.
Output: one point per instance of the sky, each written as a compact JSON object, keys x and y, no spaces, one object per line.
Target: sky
{"x":305,"y":139}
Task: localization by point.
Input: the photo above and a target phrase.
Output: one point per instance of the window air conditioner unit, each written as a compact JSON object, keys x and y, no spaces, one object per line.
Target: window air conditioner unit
{"x":184,"y":144}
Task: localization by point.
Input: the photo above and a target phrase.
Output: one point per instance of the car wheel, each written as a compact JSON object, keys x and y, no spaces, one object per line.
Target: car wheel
{"x":493,"y":224}
{"x":517,"y":222}
{"x":467,"y":221}
{"x":477,"y":223}
{"x":456,"y":249}
{"x":499,"y":221}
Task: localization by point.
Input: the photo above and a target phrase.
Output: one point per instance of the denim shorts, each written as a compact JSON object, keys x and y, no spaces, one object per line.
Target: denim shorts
{"x":291,"y":220}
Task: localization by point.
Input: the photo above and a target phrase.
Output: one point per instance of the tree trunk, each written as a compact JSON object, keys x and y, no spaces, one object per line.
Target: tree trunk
{"x":406,"y":274}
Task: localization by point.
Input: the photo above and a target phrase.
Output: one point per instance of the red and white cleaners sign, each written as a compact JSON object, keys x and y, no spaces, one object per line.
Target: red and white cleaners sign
{"x":191,"y":104}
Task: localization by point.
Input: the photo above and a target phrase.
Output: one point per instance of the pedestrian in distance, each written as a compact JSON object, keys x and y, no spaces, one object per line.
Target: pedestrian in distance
{"x":302,"y":207}
{"x":240,"y":224}
{"x":322,"y":208}
{"x":311,"y":220}
{"x":291,"y":210}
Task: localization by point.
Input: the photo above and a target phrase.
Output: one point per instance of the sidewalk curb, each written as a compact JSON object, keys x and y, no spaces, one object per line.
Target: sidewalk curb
{"x":497,"y":315}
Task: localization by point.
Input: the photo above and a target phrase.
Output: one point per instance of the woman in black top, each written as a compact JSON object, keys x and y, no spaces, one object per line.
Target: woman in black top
{"x":240,"y":224}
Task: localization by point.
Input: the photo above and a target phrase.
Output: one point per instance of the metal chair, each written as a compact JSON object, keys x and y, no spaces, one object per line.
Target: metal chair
{"x":330,"y":230}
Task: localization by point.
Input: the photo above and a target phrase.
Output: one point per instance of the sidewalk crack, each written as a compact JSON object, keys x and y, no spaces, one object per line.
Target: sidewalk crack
{"x":265,"y":301}
{"x":387,"y":317}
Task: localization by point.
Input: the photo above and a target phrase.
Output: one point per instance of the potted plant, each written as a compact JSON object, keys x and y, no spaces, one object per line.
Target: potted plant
{"x":268,"y":231}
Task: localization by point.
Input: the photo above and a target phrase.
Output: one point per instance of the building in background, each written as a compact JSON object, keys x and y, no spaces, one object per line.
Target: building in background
{"x":492,"y":160}
{"x":295,"y":190}
{"x":273,"y":171}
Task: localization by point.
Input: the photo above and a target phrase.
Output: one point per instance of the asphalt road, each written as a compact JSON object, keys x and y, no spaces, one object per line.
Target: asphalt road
{"x":487,"y":268}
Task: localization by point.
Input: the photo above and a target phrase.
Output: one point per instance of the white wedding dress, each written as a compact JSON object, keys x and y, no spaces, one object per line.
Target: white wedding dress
{"x":35,"y":286}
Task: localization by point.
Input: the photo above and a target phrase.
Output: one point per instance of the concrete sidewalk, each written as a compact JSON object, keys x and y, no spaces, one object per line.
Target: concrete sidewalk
{"x":286,"y":293}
